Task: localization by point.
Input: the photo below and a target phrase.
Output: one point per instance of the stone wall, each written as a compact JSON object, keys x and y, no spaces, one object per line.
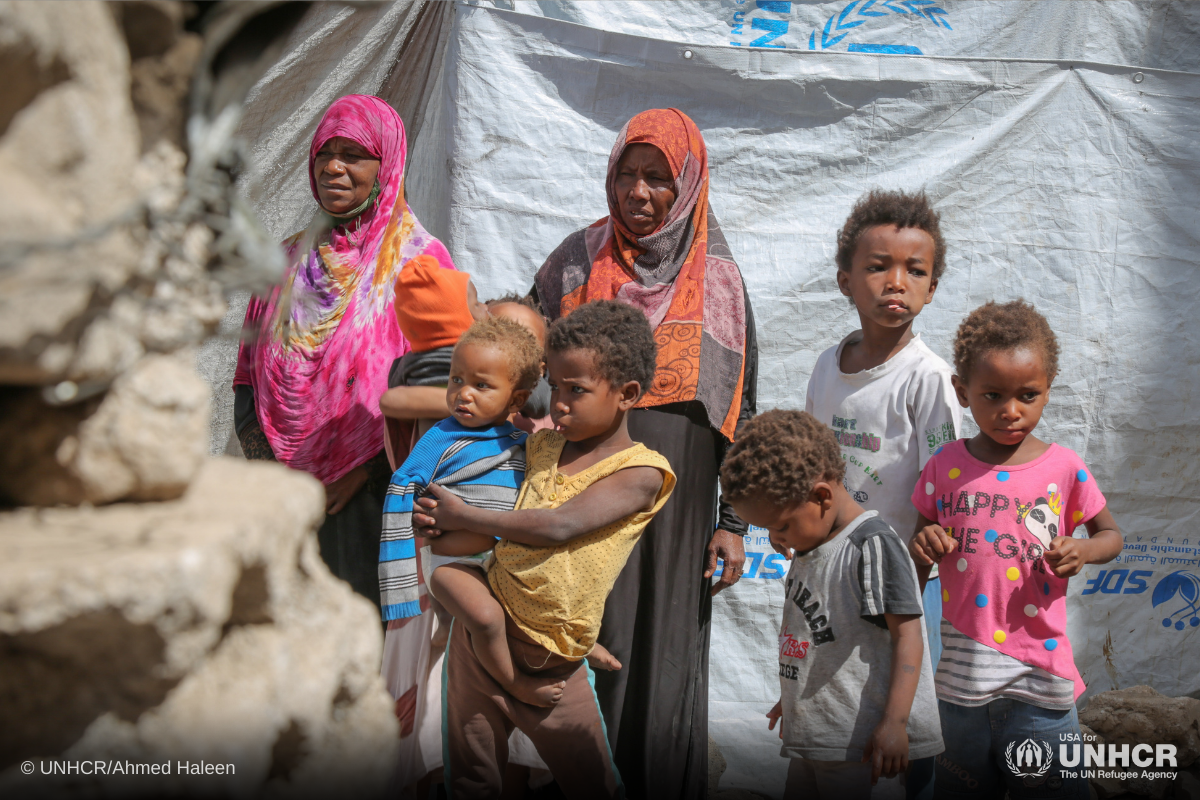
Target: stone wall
{"x":156,"y":605}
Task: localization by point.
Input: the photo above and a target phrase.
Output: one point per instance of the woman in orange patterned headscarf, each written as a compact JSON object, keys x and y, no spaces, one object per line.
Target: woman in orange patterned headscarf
{"x":660,"y":249}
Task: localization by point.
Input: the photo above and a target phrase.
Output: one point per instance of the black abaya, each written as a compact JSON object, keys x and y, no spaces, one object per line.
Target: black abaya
{"x":656,"y":620}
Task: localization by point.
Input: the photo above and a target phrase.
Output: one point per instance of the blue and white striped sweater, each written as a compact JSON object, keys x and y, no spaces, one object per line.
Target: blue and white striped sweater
{"x":483,"y":466}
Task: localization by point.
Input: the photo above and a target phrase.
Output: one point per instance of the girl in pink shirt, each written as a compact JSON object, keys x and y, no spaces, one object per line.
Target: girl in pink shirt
{"x":997,"y":513}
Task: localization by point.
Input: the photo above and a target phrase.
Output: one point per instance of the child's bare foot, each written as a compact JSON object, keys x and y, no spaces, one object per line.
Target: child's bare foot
{"x":537,"y":691}
{"x":600,"y":658}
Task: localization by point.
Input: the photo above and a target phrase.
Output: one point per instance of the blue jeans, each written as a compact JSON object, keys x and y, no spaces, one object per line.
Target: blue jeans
{"x":984,"y":752}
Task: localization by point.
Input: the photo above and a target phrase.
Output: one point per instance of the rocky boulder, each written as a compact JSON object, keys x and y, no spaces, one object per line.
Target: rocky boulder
{"x":202,"y":629}
{"x":1141,"y":715}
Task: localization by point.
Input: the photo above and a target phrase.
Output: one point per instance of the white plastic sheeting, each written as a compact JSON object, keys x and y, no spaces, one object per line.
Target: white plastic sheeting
{"x":1072,"y":183}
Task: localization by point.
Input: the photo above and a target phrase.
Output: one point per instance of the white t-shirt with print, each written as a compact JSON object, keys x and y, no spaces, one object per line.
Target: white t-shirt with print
{"x":889,"y":420}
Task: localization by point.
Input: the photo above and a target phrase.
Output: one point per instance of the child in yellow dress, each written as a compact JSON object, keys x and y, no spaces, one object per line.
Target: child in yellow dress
{"x":589,"y":492}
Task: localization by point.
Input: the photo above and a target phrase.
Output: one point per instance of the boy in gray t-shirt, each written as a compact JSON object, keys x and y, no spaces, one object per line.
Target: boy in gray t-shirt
{"x":857,"y":700}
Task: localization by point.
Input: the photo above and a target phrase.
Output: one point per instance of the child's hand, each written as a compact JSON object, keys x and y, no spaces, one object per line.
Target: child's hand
{"x":423,"y":524}
{"x":783,"y":550}
{"x":1066,"y":556}
{"x":774,"y":715}
{"x":931,"y":544}
{"x":887,"y":750}
{"x":440,"y":510}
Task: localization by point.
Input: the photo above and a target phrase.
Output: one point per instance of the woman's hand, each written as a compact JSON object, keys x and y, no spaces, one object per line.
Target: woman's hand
{"x":339,"y":493}
{"x":440,"y":510}
{"x":730,"y":548}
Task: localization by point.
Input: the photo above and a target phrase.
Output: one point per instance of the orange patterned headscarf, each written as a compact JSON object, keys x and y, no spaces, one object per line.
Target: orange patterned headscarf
{"x":682,"y":276}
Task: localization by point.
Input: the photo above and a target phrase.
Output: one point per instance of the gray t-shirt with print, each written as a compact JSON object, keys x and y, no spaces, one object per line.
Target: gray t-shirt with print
{"x":835,"y":651}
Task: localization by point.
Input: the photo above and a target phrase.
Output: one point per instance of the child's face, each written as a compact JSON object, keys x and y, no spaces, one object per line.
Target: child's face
{"x":891,"y":275}
{"x":583,"y":404}
{"x":800,"y":527}
{"x":481,"y":391}
{"x":1006,"y":392}
{"x":478,"y":310}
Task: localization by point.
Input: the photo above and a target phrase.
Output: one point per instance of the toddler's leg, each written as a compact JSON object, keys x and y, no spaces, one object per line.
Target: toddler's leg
{"x":461,"y":543}
{"x":600,"y":658}
{"x":464,"y":591}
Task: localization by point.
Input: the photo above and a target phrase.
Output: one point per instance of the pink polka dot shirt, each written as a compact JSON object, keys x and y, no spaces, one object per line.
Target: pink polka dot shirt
{"x":996,"y":586}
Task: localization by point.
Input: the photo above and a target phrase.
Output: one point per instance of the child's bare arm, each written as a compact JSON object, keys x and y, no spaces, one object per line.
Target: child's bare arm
{"x":887,"y":749}
{"x":623,"y":493}
{"x":1067,"y":555}
{"x":414,"y":402}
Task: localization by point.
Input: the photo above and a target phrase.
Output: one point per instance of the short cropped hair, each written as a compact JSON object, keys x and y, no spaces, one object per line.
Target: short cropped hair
{"x":901,"y":209}
{"x":778,"y":457}
{"x":516,"y":299}
{"x":617,"y":333}
{"x":515,"y":341}
{"x":1007,"y":327}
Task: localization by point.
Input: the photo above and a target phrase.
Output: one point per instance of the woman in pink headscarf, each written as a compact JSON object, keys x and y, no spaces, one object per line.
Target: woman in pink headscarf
{"x":318,"y":349}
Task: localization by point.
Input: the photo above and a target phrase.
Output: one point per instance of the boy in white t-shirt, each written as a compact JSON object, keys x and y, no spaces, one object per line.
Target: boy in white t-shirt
{"x":885,"y":395}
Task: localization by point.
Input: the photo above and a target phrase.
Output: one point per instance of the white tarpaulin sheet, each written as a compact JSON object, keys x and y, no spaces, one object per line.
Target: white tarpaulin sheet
{"x":1074,"y":183}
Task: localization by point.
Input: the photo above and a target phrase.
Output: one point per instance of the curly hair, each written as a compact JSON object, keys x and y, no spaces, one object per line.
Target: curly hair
{"x":617,"y":333}
{"x":778,"y":457}
{"x":1004,"y":326}
{"x":878,"y":207}
{"x":515,"y":341}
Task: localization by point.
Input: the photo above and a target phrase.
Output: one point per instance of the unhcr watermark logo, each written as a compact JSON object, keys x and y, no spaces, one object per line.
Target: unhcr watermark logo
{"x":1032,"y":759}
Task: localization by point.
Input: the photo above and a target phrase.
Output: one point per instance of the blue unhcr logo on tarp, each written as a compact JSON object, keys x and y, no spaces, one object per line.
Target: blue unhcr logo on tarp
{"x":847,"y":20}
{"x":1181,"y":590}
{"x":771,"y":27}
{"x":769,"y":22}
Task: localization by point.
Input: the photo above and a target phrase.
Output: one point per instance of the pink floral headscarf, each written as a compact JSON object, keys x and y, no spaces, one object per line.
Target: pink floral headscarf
{"x":323,"y":341}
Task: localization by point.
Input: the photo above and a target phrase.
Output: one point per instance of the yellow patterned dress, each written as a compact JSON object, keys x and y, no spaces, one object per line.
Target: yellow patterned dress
{"x":556,"y":594}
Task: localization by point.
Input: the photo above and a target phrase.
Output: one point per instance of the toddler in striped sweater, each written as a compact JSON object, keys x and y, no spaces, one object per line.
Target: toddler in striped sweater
{"x":476,"y":454}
